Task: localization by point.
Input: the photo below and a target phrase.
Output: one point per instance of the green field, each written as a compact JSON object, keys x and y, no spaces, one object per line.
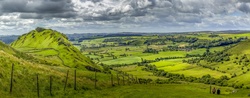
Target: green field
{"x":148,"y":66}
{"x":170,"y":60}
{"x":166,"y":91}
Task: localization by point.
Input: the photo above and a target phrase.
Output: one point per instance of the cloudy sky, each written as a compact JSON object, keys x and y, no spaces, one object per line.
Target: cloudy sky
{"x":86,"y":16}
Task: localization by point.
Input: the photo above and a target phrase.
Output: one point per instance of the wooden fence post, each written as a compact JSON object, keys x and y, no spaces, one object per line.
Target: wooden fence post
{"x":11,"y":78}
{"x":50,"y":86}
{"x":133,"y":80}
{"x":95,"y":80}
{"x":66,"y":80}
{"x":123,"y":81}
{"x":75,"y":81}
{"x":210,"y":89}
{"x":136,"y":80}
{"x":112,"y":84}
{"x":37,"y":85}
{"x":118,"y":79}
{"x":128,"y":80}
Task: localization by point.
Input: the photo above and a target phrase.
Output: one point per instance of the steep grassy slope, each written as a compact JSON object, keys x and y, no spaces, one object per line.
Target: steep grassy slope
{"x":26,"y":70}
{"x":237,"y":67}
{"x":241,"y":48}
{"x":240,"y":59}
{"x":20,"y":55}
{"x":51,"y":46}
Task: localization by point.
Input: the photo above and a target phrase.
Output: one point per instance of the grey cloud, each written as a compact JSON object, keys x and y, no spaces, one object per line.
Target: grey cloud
{"x":243,"y":0}
{"x":244,"y":7}
{"x":36,"y":8}
{"x":169,"y":13}
{"x":13,"y":5}
{"x":54,"y":6}
{"x":101,"y":10}
{"x":30,"y":16}
{"x":179,"y":10}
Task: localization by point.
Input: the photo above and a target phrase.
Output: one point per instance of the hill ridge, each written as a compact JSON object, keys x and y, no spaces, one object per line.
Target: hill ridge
{"x":52,"y":46}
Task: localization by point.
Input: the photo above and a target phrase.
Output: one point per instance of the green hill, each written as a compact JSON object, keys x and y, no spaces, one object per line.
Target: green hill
{"x":241,"y":59}
{"x":26,"y":68}
{"x":241,"y":48}
{"x":36,"y":59}
{"x":234,"y":61}
{"x":52,"y":46}
{"x":11,"y":51}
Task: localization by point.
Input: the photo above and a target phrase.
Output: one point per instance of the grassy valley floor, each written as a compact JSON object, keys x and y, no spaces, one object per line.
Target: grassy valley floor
{"x":191,"y":90}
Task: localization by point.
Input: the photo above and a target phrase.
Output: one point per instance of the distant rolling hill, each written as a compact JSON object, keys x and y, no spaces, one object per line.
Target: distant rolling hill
{"x":8,"y":38}
{"x":52,"y":46}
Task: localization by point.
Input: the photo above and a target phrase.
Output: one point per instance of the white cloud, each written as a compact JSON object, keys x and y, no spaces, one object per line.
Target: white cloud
{"x":122,"y":15}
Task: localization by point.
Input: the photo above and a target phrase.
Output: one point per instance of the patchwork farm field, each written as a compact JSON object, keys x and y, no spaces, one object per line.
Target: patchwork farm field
{"x":192,"y":55}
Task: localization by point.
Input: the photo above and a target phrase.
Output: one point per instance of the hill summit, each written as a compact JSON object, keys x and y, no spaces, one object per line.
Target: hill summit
{"x":51,"y":46}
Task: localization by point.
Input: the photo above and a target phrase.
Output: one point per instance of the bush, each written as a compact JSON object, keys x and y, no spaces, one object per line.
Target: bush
{"x":40,"y":29}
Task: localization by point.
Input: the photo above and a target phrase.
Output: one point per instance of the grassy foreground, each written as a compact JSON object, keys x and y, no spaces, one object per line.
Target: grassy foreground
{"x":165,"y":91}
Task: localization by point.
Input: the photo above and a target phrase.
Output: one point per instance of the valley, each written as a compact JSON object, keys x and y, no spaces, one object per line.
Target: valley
{"x":47,"y":63}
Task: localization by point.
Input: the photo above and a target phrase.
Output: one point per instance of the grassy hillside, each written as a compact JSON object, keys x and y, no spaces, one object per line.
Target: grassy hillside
{"x":25,"y":72}
{"x":45,"y":47}
{"x":240,"y":59}
{"x":18,"y":54}
{"x":51,"y":46}
{"x":165,"y":91}
{"x":236,"y":67}
{"x":241,"y":48}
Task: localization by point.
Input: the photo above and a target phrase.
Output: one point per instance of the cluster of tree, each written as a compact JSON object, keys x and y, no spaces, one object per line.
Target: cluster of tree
{"x":242,"y":60}
{"x":166,"y":81}
{"x":216,"y":43}
{"x":216,"y":56}
{"x":166,"y":58}
{"x":119,"y":65}
{"x":124,"y":55}
{"x":155,"y":41}
{"x":135,"y":42}
{"x":192,"y":55}
{"x":96,"y":46}
{"x":172,"y":48}
{"x":145,"y":62}
{"x":92,"y":69}
{"x":150,"y":50}
{"x":161,"y":40}
{"x":213,"y":35}
{"x":207,"y":79}
{"x":144,"y":81}
{"x":127,"y":49}
{"x":182,"y":39}
{"x":206,"y":44}
{"x":114,"y":40}
{"x":192,"y":61}
{"x":177,"y":48}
